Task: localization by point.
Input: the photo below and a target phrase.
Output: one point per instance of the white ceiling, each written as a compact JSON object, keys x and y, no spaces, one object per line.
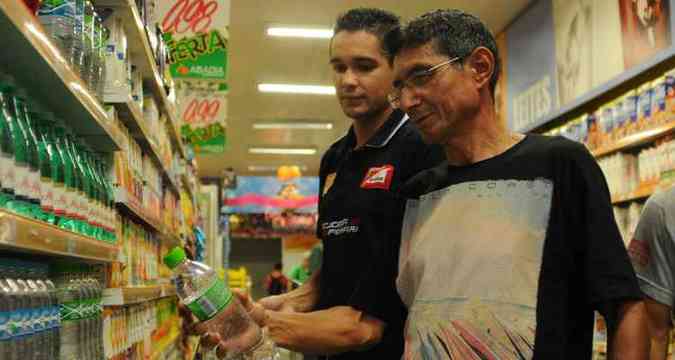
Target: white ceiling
{"x":256,"y":58}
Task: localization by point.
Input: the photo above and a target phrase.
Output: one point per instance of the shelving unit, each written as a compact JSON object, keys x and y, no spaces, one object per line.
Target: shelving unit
{"x":636,"y":140}
{"x":641,"y":193}
{"x":134,"y":210}
{"x":131,"y":116}
{"x":26,"y":235}
{"x":33,"y":53}
{"x":138,"y":294}
{"x":661,"y":62}
{"x":139,"y":48}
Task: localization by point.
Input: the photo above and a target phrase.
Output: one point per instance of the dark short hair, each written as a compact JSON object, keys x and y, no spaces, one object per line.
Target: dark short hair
{"x":278,"y":266}
{"x":374,"y":21}
{"x":453,"y":33}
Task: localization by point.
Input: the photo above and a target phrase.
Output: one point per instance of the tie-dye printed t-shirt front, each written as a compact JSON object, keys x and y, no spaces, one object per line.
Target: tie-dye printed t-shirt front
{"x":507,"y":258}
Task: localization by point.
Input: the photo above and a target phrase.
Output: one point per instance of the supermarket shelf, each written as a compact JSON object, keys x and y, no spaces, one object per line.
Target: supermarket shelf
{"x":131,"y":207}
{"x":660,"y":63}
{"x":141,"y":53}
{"x":642,"y":193}
{"x":636,"y":139}
{"x":38,"y":66}
{"x":165,"y":344}
{"x":131,"y":116}
{"x":136,"y":294}
{"x":23,"y":234}
{"x":188,"y":186}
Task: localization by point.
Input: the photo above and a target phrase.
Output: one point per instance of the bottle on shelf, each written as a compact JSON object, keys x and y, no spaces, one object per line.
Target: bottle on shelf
{"x":58,"y":20}
{"x":206,"y":295}
{"x":7,"y":167}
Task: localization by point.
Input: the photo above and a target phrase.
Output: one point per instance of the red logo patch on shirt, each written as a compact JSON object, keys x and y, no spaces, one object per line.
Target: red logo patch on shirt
{"x":378,"y":177}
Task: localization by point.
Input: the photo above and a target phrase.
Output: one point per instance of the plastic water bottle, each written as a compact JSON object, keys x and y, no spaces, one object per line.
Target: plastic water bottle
{"x":58,"y":19}
{"x":7,"y":308}
{"x":206,"y":295}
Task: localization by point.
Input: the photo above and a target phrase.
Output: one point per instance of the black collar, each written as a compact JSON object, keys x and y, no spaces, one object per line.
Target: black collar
{"x":383,"y":135}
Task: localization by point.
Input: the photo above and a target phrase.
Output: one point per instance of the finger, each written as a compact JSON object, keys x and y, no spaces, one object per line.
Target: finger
{"x":221,"y":350}
{"x":209,"y":341}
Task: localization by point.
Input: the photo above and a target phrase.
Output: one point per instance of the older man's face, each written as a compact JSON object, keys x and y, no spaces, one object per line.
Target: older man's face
{"x":448,"y":96}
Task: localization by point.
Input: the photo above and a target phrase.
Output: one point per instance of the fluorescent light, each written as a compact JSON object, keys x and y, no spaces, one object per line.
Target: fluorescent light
{"x":281,"y":151}
{"x":271,"y":168}
{"x":300,"y":32}
{"x":297,"y":89}
{"x":292,"y":126}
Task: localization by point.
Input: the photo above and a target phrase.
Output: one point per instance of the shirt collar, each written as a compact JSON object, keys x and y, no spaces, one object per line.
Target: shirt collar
{"x":384,"y":134}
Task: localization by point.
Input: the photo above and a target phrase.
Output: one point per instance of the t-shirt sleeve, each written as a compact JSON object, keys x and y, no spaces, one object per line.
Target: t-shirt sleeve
{"x":605,"y":266}
{"x":653,"y":254}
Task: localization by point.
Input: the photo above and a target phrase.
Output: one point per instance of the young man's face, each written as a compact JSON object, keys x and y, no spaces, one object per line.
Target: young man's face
{"x":447,"y":96}
{"x":362,"y":74}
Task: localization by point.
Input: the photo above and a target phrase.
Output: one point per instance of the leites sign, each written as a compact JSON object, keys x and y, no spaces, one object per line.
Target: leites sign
{"x":196,"y":34}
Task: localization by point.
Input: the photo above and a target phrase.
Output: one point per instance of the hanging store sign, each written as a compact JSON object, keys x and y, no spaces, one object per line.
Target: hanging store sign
{"x":203,"y":122}
{"x":197,"y":38}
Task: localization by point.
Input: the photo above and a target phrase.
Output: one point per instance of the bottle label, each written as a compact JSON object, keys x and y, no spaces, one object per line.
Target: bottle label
{"x":214,"y":300}
{"x":4,"y":326}
{"x":15,"y":325}
{"x":22,"y":185}
{"x":71,"y":200}
{"x":8,"y":172}
{"x":60,"y":200}
{"x":71,"y":311}
{"x":35,"y":185}
{"x":47,"y":194}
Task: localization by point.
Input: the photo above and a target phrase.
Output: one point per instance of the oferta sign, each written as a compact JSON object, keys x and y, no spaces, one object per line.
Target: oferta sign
{"x":197,"y":38}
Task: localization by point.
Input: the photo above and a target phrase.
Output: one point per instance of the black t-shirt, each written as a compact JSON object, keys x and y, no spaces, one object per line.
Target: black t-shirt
{"x":509,"y":257}
{"x":360,"y":225}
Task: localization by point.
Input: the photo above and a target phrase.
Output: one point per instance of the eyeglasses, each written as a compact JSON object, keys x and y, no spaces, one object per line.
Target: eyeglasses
{"x":415,"y":81}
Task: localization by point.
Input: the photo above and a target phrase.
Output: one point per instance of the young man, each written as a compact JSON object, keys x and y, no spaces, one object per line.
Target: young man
{"x":653,"y":253}
{"x":512,"y":243}
{"x":349,"y":309}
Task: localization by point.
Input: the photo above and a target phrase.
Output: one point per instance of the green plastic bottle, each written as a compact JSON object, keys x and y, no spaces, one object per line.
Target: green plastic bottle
{"x":7,"y":169}
{"x":22,"y":153}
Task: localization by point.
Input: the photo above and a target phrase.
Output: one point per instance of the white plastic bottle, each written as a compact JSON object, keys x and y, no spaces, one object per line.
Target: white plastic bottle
{"x":209,"y":299}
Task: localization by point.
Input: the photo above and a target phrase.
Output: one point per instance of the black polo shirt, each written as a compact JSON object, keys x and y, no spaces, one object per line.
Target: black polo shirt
{"x":360,"y":219}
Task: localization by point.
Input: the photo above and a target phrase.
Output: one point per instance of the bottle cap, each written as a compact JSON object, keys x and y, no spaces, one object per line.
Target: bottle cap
{"x":174,"y":257}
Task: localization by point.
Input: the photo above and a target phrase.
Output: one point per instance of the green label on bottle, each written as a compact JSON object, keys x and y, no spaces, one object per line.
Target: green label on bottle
{"x":214,"y":300}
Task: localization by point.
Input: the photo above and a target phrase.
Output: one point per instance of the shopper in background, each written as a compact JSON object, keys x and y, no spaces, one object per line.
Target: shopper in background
{"x":653,"y":253}
{"x":300,"y":273}
{"x":510,"y":245}
{"x":349,"y":309}
{"x":276,"y":283}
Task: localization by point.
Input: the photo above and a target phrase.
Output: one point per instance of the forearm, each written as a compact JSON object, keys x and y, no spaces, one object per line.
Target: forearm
{"x":628,"y":333}
{"x":324,"y":332}
{"x":305,"y":297}
{"x":659,"y":348}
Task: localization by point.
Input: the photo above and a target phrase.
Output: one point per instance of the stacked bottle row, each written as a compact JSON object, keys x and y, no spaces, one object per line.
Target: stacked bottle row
{"x":29,"y":312}
{"x":79,"y":294}
{"x":47,"y":173}
{"x":76,"y":28}
{"x":141,"y":251}
{"x":133,"y":332}
{"x":626,"y":172}
{"x":649,"y":105}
